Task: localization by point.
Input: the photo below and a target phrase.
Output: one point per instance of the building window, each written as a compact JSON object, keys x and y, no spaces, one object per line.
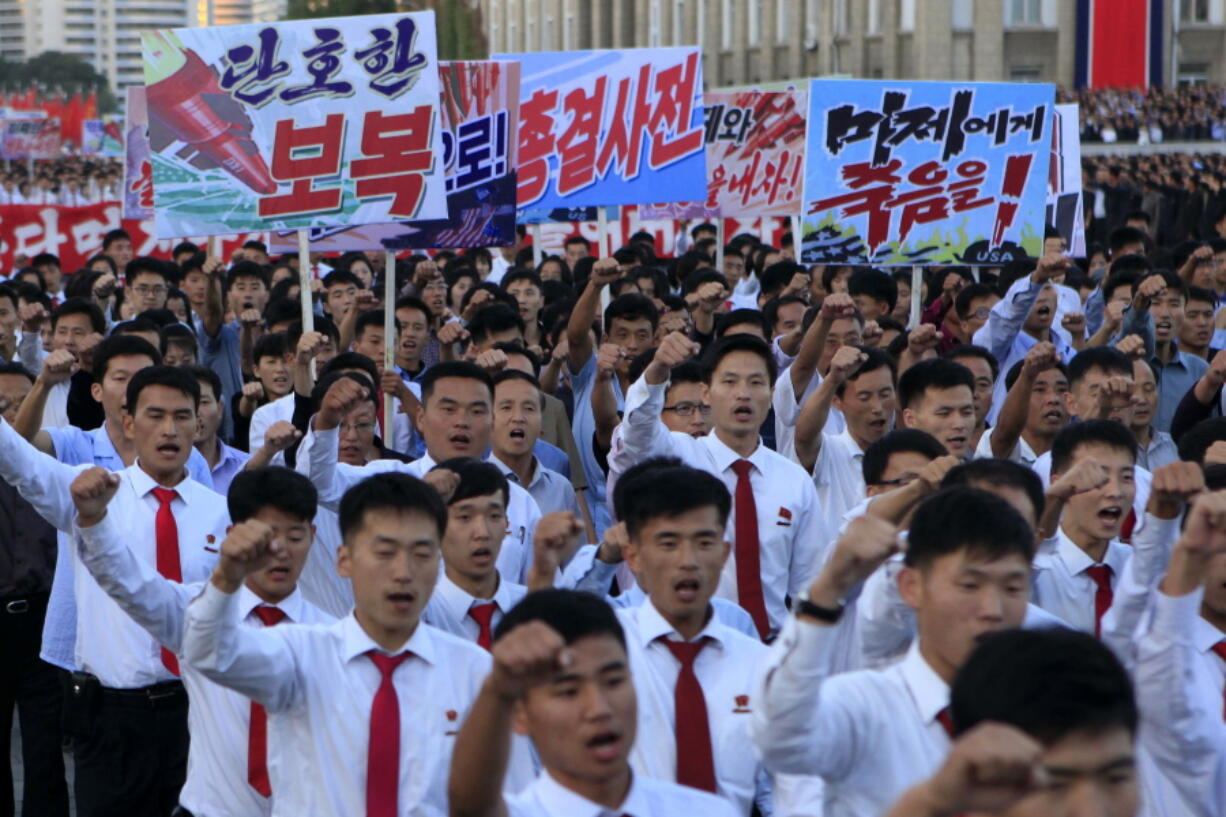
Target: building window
{"x":842,"y":20}
{"x":1193,"y":73}
{"x":906,"y":15}
{"x":725,"y":25}
{"x":1194,"y":11}
{"x":653,"y":24}
{"x":783,"y":20}
{"x":531,"y":12}
{"x":1024,"y":12}
{"x":754,"y":30}
{"x":679,"y":34}
{"x":569,"y":24}
{"x":1026,"y":73}
{"x":512,"y":42}
{"x":963,"y":15}
{"x":874,"y":16}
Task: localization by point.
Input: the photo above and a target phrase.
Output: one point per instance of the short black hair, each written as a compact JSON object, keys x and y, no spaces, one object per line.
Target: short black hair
{"x":413,"y":302}
{"x":1089,"y":432}
{"x":877,"y":455}
{"x":516,"y":275}
{"x":968,"y":293}
{"x":874,"y":359}
{"x":137,"y":324}
{"x":1105,"y":358}
{"x":492,"y":319}
{"x":775,"y":278}
{"x":389,"y":491}
{"x":369,"y":318}
{"x":477,"y":478}
{"x":1015,"y":372}
{"x":1048,"y":682}
{"x":1203,"y":295}
{"x":1197,"y":440}
{"x":936,"y":373}
{"x":572,"y":614}
{"x":247,"y":269}
{"x":999,"y":473}
{"x":729,"y":344}
{"x":1136,"y":264}
{"x":515,"y":374}
{"x":122,"y":346}
{"x":876,"y":285}
{"x":184,"y":247}
{"x":79,"y":306}
{"x":353,"y":360}
{"x":962,"y":518}
{"x":747,"y":317}
{"x":147,"y":264}
{"x":971,"y":350}
{"x":770,"y":310}
{"x":172,"y":377}
{"x":7,"y":291}
{"x":1118,"y":279}
{"x":652,"y":493}
{"x":205,"y":374}
{"x":453,"y":368}
{"x":270,"y":344}
{"x":687,"y":372}
{"x":113,"y":236}
{"x":633,"y":306}
{"x":254,"y":489}
{"x":17,"y":369}
{"x":1123,"y":236}
{"x":514,"y":347}
{"x":279,"y":310}
{"x":327,"y":380}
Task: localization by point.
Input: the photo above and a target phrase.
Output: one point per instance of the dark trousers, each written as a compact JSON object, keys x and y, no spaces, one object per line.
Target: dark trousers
{"x":131,"y":750}
{"x":31,"y":686}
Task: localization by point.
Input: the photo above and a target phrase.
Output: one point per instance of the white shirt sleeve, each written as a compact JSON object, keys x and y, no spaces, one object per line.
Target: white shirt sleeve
{"x":886,"y":623}
{"x":1151,"y":551}
{"x":810,"y":545}
{"x":149,"y":599}
{"x":644,"y":434}
{"x":320,"y":466}
{"x":258,"y":663}
{"x":41,"y":480}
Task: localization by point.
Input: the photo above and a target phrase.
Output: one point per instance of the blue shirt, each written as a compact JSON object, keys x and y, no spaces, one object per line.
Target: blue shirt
{"x":229,"y":463}
{"x":223,"y":354}
{"x":583,"y":382}
{"x":1174,"y":381}
{"x":552,"y":457}
{"x":76,"y":447}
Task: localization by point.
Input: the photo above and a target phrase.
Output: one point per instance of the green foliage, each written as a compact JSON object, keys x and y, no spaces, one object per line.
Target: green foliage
{"x":460,"y":35}
{"x":55,"y":70}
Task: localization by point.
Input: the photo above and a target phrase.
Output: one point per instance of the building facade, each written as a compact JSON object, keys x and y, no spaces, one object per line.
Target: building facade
{"x":758,"y":41}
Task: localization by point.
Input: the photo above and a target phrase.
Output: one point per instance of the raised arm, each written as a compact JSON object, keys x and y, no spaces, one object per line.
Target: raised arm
{"x":1012,"y":419}
{"x":151,"y":600}
{"x":1007,"y":317}
{"x":811,"y":421}
{"x":214,"y":310}
{"x":836,"y":306}
{"x":42,"y":480}
{"x":320,"y":464}
{"x":587,"y":309}
{"x":59,"y":366}
{"x":604,"y":400}
{"x":643,"y":432}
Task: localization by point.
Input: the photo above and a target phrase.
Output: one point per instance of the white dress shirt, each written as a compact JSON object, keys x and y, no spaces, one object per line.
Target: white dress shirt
{"x":871,"y":734}
{"x":552,"y":491}
{"x":1179,"y":695}
{"x":264,"y":417}
{"x":332,"y":479}
{"x":787,"y":407}
{"x":726,"y":667}
{"x":648,"y":797}
{"x":838,"y":473}
{"x":55,"y":410}
{"x":449,"y":605}
{"x":1063,"y":588}
{"x":792,"y":535}
{"x":219,"y":719}
{"x":318,"y":686}
{"x":319,"y":581}
{"x":1022,"y":453}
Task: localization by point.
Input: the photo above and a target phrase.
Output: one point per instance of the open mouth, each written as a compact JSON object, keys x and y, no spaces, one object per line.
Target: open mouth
{"x":1162,"y":326}
{"x":743,"y":413}
{"x":517,"y":434}
{"x":604,"y":745}
{"x":686,"y":589}
{"x":169,"y":449}
{"x":1053,"y":416}
{"x":1043,"y":312}
{"x":482,"y":556}
{"x":1111,"y":515}
{"x":280,"y":572}
{"x":401,"y":601}
{"x":460,"y":440}
{"x":955,"y":442}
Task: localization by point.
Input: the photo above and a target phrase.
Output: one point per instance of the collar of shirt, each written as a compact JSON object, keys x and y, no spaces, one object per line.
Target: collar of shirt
{"x":103,"y":447}
{"x":228,"y":455}
{"x":460,"y":601}
{"x":538,"y":471}
{"x":653,"y":625}
{"x":725,"y":456}
{"x":1205,"y":635}
{"x":557,"y":799}
{"x":355,"y":642}
{"x":1178,"y":358}
{"x":1077,"y":560}
{"x":849,"y":442}
{"x":928,"y":691}
{"x":292,"y":605}
{"x":1157,"y":439}
{"x":144,"y":484}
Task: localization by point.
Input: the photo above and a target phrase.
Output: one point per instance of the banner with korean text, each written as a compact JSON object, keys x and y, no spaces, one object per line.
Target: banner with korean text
{"x":314,"y":123}
{"x":138,"y":165}
{"x":1064,"y":205}
{"x":479,"y":106}
{"x":102,"y":137}
{"x":603,"y":128}
{"x":29,"y":135}
{"x":755,"y":145}
{"x":906,"y":173}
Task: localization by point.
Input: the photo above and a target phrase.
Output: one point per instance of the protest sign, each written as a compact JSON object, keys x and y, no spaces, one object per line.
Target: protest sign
{"x":755,"y":146}
{"x":907,"y":173}
{"x":479,"y":106}
{"x":29,"y":135}
{"x":1064,"y":205}
{"x":603,"y":128}
{"x":138,"y":167}
{"x":102,"y":137}
{"x":313,"y":123}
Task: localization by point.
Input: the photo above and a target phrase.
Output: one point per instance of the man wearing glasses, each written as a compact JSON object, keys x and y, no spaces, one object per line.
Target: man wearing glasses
{"x":684,"y":409}
{"x":146,"y":284}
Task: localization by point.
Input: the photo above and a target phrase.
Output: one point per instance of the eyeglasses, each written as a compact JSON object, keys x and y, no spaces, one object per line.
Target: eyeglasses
{"x":360,"y":428}
{"x":904,"y":480}
{"x":143,"y":290}
{"x":982,"y":312}
{"x":688,"y":409}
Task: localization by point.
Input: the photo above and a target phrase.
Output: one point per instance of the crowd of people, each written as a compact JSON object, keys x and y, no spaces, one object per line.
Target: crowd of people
{"x":631,"y":535}
{"x":71,"y":182}
{"x":1188,"y":113}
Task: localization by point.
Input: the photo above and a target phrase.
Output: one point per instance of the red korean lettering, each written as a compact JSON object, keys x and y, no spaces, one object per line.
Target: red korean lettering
{"x":622,"y":144}
{"x":322,"y":146}
{"x":1013,"y":184}
{"x":964,"y":194}
{"x":744,"y":183}
{"x":865,"y":199}
{"x":578,"y":144}
{"x":922,"y":206}
{"x":396,"y":156}
{"x":676,"y":87}
{"x":536,"y":144}
{"x":928,"y":173}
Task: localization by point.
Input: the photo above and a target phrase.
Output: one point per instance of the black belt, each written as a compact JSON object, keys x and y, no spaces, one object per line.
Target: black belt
{"x":166,"y":695}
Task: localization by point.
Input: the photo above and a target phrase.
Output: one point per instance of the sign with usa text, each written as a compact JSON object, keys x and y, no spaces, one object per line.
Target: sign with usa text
{"x":610,"y":127}
{"x":903,"y":173}
{"x":480,"y":101}
{"x":289,"y":125}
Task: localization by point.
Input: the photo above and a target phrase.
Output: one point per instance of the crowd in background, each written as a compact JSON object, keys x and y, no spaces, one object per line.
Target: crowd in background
{"x":1188,"y":113}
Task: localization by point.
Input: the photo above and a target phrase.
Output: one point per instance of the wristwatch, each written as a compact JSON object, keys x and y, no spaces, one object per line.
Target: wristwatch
{"x":829,"y":615}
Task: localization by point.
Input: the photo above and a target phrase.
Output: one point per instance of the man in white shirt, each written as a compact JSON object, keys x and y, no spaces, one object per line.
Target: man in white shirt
{"x":77,"y":325}
{"x":228,"y":760}
{"x":1075,"y":576}
{"x":779,"y":535}
{"x":561,"y":676}
{"x":518,"y":410}
{"x":454,"y":419}
{"x":127,"y":700}
{"x":362,"y":712}
{"x":938,"y":396}
{"x":686,"y":663}
{"x":1034,"y":411}
{"x":860,"y":384}
{"x":1046,"y":724}
{"x":872,"y":734}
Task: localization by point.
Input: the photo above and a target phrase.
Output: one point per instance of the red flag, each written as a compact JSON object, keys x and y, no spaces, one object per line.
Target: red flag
{"x":91,"y":105}
{"x":73,"y":118}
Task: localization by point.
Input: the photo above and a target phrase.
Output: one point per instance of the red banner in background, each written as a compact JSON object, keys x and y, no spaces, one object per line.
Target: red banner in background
{"x":75,"y":234}
{"x":665,"y":231}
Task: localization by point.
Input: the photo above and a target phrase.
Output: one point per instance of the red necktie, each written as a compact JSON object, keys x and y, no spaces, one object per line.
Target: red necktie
{"x":947,"y":722}
{"x":695,"y":759}
{"x":383,"y":751}
{"x":257,"y":734}
{"x":1101,"y":574}
{"x":484,"y":614}
{"x":167,"y":531}
{"x":748,"y":556}
{"x":1220,"y":649}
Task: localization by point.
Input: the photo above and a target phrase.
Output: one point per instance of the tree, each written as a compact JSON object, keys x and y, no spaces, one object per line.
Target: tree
{"x":55,"y":70}
{"x":458,"y":22}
